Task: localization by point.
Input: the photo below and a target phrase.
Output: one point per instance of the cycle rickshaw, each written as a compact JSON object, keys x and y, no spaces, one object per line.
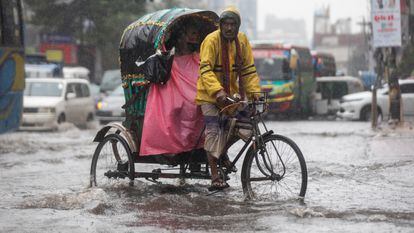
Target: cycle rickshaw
{"x":273,"y":165}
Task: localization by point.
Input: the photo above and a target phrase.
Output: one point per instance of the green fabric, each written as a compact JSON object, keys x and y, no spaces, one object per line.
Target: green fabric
{"x":137,"y":109}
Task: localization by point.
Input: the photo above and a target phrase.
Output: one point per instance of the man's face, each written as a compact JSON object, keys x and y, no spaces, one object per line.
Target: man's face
{"x":229,"y":28}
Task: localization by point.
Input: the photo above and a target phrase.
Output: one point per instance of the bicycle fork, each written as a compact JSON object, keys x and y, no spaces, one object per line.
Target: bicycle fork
{"x":262,"y":154}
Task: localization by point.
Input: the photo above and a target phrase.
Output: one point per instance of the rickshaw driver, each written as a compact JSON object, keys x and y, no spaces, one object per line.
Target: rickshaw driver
{"x":226,"y":68}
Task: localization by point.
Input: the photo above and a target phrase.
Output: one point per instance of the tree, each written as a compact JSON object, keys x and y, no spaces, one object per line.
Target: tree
{"x":92,"y":23}
{"x":406,"y":66}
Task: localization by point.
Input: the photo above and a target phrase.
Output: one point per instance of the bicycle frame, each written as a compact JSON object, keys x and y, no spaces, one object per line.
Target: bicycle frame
{"x":252,"y":142}
{"x":255,"y":137}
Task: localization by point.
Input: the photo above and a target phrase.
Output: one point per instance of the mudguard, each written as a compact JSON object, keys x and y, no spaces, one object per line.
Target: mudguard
{"x":117,"y":128}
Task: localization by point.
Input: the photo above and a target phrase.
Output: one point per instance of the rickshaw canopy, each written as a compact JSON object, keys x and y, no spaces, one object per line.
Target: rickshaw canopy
{"x":155,"y":31}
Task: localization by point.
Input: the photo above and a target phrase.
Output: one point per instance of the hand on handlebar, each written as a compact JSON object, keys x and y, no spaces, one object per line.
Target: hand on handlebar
{"x":223,"y":99}
{"x":228,"y":105}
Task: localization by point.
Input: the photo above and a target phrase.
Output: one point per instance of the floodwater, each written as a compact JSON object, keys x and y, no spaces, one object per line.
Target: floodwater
{"x":360,"y":180}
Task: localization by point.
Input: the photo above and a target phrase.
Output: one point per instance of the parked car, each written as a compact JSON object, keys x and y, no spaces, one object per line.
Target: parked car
{"x":358,"y":106}
{"x":49,"y":102}
{"x":330,"y":90}
{"x":46,"y":70}
{"x":111,"y":79}
{"x":37,"y":65}
{"x":110,"y":107}
{"x":95,"y":93}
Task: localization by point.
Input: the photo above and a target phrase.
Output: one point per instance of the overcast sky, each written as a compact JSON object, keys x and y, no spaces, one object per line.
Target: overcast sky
{"x":297,"y":9}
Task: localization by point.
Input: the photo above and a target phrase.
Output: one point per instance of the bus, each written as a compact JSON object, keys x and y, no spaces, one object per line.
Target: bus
{"x":323,"y":64}
{"x":286,"y":73}
{"x":11,"y":64}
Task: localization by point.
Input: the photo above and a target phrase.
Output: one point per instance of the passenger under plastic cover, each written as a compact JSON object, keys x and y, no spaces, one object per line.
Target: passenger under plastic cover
{"x":173,"y":123}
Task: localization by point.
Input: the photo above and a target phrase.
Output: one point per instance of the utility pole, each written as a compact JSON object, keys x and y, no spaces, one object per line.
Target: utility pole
{"x":386,"y":30}
{"x":394,"y":92}
{"x":379,"y":69}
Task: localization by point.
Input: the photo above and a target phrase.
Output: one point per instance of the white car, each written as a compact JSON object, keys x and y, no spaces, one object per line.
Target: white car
{"x":49,"y":102}
{"x":76,"y":72}
{"x":110,"y":107}
{"x":330,"y":90}
{"x":111,"y":79}
{"x":357,"y":106}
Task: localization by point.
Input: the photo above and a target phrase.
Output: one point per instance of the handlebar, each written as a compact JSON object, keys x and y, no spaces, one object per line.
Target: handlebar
{"x":256,"y":105}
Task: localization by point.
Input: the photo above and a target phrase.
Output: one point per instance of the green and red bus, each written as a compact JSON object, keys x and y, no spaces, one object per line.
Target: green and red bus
{"x":286,"y":73}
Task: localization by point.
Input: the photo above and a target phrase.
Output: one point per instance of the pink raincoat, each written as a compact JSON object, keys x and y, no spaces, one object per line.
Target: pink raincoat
{"x":173,"y":122}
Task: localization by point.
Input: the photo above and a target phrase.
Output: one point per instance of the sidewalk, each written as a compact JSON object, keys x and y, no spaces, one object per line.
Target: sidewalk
{"x":394,"y":141}
{"x":406,"y":126}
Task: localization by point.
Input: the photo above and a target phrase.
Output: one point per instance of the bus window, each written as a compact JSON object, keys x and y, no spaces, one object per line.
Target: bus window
{"x":324,"y":64}
{"x":272,"y":68}
{"x":286,"y":69}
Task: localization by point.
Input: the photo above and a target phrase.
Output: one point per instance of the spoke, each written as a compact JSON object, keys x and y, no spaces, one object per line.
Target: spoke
{"x":298,"y":181}
{"x":287,"y":186}
{"x":291,"y":171}
{"x":290,"y":159}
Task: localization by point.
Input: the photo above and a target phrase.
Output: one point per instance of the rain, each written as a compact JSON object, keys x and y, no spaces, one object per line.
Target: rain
{"x":77,"y":80}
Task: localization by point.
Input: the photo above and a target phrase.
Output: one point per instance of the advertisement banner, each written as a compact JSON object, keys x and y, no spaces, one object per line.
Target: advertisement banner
{"x":386,"y":23}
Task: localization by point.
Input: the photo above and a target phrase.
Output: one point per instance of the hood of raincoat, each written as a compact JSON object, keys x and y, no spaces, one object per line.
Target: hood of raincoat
{"x":232,"y":13}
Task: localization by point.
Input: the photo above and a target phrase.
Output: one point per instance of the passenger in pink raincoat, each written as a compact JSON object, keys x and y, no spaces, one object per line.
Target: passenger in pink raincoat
{"x":172,"y":122}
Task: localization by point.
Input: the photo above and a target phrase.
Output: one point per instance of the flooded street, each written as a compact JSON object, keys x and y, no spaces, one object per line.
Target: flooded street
{"x":359,"y":180}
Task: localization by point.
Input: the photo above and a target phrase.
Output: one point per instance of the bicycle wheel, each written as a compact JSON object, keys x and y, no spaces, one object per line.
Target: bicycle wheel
{"x":276,"y":171}
{"x":111,"y":161}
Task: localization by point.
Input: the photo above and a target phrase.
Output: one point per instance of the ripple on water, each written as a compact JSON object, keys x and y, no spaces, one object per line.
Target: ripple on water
{"x":52,"y":161}
{"x":27,"y":146}
{"x":358,"y":215}
{"x":92,"y":199}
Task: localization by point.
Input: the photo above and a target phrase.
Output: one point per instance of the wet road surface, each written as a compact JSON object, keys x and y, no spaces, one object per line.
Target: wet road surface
{"x":360,"y":180}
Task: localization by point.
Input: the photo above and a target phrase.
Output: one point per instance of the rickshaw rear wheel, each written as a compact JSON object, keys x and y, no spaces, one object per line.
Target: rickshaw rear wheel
{"x":276,"y":171}
{"x":111,"y":162}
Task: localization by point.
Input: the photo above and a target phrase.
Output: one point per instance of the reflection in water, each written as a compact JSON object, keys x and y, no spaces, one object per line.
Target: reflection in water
{"x":191,"y":207}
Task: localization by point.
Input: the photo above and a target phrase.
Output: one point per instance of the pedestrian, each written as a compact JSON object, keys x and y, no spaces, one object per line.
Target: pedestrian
{"x":226,"y":69}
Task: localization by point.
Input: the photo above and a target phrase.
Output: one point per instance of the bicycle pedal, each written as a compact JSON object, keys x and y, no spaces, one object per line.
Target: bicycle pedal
{"x":122,"y":166}
{"x":232,"y":169}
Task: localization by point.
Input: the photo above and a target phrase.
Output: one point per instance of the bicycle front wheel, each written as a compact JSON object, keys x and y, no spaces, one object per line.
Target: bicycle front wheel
{"x":276,"y":170}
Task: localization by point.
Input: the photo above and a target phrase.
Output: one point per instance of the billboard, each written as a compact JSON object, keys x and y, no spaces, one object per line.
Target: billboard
{"x":386,"y":23}
{"x":58,"y":51}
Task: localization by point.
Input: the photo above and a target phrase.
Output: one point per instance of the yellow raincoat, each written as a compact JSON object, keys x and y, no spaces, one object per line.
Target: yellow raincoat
{"x":210,"y":79}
